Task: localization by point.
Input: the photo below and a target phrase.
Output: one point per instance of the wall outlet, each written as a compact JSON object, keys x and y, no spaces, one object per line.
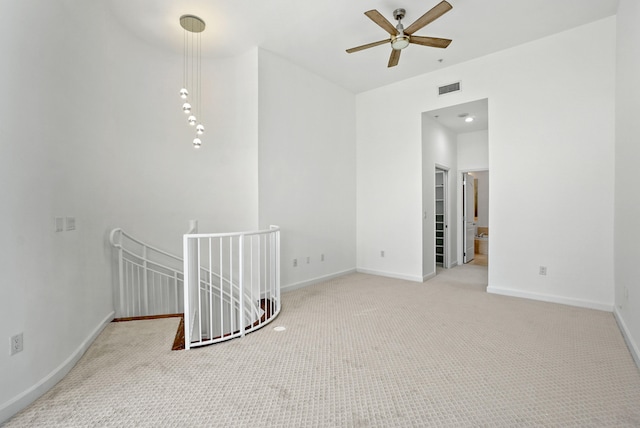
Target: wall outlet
{"x":295,"y":262}
{"x":58,"y":224}
{"x":543,"y":270}
{"x":382,"y":253}
{"x":321,"y":257}
{"x":308,"y":259}
{"x":16,"y":344}
{"x":625,"y":293}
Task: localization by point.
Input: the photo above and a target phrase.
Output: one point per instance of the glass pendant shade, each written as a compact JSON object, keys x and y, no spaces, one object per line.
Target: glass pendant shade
{"x":184,"y":93}
{"x":192,"y":120}
{"x":186,"y":107}
{"x":197,"y":143}
{"x":199,"y":129}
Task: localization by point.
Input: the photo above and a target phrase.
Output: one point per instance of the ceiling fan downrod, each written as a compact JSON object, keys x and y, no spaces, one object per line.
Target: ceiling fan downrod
{"x":400,"y":40}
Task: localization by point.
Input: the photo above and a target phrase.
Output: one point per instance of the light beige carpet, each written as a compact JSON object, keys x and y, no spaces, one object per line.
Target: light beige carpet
{"x":363,"y":351}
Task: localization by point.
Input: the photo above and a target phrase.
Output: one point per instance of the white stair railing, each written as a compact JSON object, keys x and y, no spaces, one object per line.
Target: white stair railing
{"x":232,"y":284}
{"x":150,"y":280}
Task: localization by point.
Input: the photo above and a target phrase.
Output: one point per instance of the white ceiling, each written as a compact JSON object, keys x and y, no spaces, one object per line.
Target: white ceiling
{"x":450,"y":117}
{"x":315,"y":34}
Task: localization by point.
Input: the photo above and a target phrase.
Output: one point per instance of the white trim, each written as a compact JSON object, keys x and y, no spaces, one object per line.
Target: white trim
{"x":315,"y":280}
{"x":483,"y":169}
{"x":426,"y":278}
{"x":460,"y":210}
{"x":633,"y":347}
{"x":392,"y":275}
{"x":550,"y":298}
{"x":19,"y":402}
{"x":447,"y":216}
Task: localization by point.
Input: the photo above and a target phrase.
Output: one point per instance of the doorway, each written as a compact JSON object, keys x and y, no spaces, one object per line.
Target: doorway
{"x":475,"y":217}
{"x":441,"y":217}
{"x":455,"y":140}
{"x":469,"y":215}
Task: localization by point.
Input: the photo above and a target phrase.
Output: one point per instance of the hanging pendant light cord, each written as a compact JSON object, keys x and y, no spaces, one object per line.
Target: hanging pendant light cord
{"x":192,"y":71}
{"x":184,"y":58}
{"x":199,"y":77}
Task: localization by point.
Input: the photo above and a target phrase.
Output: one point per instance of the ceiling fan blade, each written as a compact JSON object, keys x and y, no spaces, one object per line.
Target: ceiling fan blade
{"x":369,"y":45}
{"x":434,"y":42}
{"x":377,"y":17}
{"x":436,"y":12}
{"x":394,"y":58}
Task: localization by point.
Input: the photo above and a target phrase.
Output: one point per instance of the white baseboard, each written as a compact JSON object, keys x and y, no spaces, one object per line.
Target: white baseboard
{"x":428,"y":277}
{"x":631,"y":344}
{"x":13,"y":406}
{"x":550,"y":298}
{"x":315,"y":280}
{"x":392,"y":275}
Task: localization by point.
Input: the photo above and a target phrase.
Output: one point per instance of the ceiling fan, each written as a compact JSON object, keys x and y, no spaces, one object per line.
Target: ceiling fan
{"x":401,"y":37}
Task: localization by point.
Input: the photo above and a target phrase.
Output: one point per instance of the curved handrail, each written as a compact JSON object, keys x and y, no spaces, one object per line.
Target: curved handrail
{"x":233,"y":298}
{"x":118,"y":245}
{"x":147,"y":265}
{"x":234,"y":234}
{"x":123,"y":233}
{"x":272,"y":228}
{"x":254,"y":276}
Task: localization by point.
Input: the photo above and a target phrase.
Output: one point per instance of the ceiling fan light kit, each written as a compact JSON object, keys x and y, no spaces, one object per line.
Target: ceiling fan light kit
{"x":401,"y":38}
{"x":400,"y":42}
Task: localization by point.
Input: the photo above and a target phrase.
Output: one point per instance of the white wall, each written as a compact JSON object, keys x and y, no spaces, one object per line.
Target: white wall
{"x":389,"y":180}
{"x":51,"y":82}
{"x":627,"y":197}
{"x":162,"y":181}
{"x":551,"y":112}
{"x":307,"y":177}
{"x":91,"y":127}
{"x":439,"y":149}
{"x":473,"y":151}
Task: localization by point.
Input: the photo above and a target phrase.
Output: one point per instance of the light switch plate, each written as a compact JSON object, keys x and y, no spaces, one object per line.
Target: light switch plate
{"x":71,"y":223}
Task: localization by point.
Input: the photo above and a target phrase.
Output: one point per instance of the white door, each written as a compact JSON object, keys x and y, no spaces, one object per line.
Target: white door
{"x":468,"y":216}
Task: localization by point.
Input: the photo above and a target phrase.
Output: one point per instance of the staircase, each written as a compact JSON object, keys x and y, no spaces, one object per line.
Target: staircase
{"x":226,"y":285}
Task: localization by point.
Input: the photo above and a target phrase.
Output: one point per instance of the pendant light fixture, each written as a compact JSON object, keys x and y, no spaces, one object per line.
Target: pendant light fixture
{"x":191,"y":77}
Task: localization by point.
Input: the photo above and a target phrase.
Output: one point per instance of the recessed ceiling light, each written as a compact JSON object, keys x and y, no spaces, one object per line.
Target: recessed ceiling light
{"x":279,"y":328}
{"x":469,"y":119}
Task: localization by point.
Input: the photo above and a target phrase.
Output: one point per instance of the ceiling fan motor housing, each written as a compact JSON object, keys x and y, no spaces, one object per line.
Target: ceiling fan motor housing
{"x":398,"y":14}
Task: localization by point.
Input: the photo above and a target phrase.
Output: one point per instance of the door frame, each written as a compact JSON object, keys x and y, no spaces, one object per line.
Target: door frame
{"x":468,"y":250}
{"x":460,"y":216}
{"x":447,"y":213}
